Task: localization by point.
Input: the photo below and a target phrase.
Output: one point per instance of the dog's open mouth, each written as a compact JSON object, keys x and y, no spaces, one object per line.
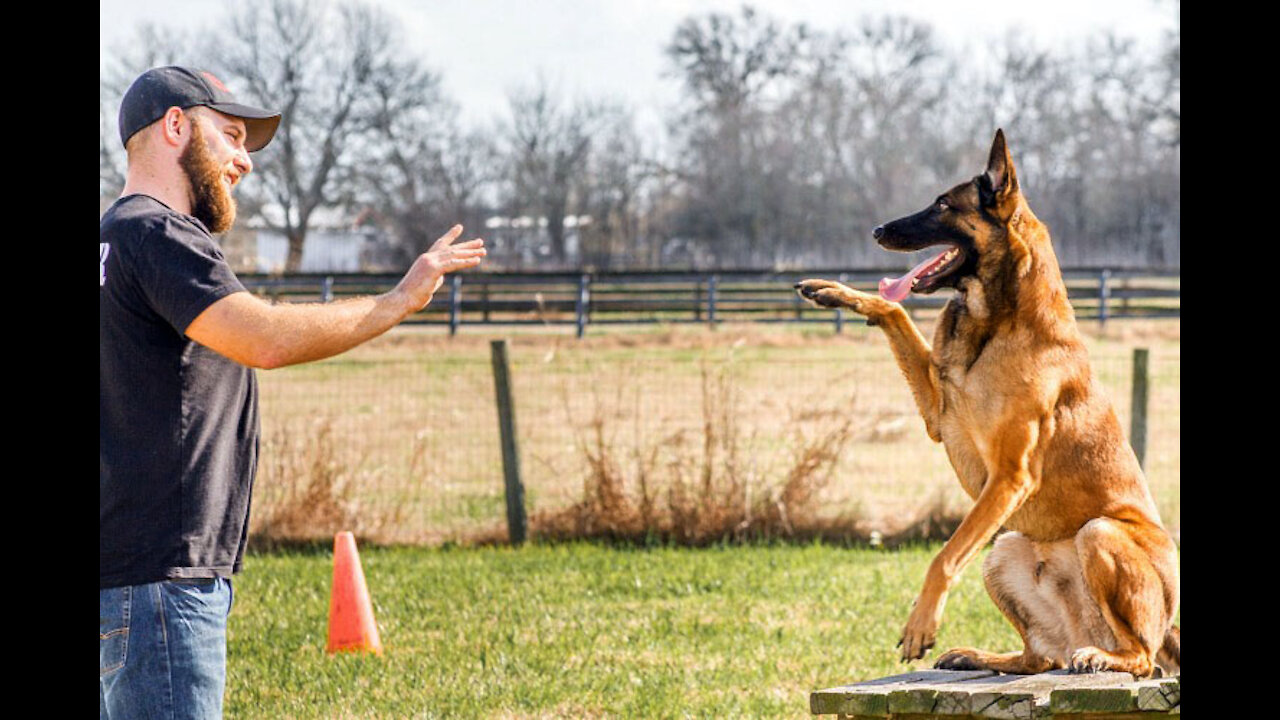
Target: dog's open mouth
{"x":923,"y":277}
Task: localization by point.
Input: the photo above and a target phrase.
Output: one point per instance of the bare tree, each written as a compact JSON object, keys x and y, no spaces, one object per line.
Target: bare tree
{"x":420,"y":169}
{"x":878,"y":141}
{"x":548,"y":147}
{"x":787,"y":147}
{"x":615,"y":193}
{"x":732,"y":66}
{"x":317,"y":64}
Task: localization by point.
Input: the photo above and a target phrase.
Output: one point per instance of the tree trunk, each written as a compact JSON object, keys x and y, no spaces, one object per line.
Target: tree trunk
{"x":293,"y":262}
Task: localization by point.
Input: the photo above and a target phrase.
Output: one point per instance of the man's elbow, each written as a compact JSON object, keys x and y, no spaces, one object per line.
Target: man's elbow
{"x":258,"y":355}
{"x":269,"y":357}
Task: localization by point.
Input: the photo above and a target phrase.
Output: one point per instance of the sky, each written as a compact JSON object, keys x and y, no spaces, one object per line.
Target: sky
{"x":483,"y":49}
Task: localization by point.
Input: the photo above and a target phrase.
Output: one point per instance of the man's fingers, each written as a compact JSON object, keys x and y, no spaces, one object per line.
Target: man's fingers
{"x":447,"y":239}
{"x":460,"y":259}
{"x":466,"y":250}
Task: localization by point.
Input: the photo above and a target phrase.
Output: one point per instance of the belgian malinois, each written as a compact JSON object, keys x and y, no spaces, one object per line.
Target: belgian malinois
{"x":1086,"y":572}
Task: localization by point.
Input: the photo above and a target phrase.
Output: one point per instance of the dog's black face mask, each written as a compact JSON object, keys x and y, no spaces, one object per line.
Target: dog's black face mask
{"x":948,"y":222}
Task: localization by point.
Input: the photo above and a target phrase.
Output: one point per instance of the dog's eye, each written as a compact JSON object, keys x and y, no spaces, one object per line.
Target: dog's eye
{"x":942,"y":205}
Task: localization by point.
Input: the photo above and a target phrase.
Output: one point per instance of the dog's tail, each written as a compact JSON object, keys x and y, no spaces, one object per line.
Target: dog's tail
{"x":1170,"y":655}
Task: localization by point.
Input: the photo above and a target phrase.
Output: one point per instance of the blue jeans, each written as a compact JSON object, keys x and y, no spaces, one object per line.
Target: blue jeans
{"x":163,"y":649}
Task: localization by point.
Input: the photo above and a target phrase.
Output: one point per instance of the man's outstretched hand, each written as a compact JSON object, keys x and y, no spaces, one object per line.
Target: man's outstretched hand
{"x":428,"y":271}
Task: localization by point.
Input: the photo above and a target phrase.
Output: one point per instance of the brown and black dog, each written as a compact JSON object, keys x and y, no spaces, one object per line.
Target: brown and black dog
{"x":1087,"y":573}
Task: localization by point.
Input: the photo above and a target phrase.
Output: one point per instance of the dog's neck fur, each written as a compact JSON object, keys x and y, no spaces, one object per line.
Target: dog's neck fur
{"x":1031,"y":289}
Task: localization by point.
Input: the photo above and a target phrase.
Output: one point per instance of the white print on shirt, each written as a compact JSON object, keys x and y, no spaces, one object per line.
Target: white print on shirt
{"x":104,"y":249}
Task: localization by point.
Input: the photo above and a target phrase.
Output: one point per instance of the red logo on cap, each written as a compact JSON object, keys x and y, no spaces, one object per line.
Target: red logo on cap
{"x":216,"y":82}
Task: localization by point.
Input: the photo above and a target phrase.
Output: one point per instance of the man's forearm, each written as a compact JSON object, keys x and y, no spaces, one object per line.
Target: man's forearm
{"x":255,"y":333}
{"x":259,"y":334}
{"x":301,"y":333}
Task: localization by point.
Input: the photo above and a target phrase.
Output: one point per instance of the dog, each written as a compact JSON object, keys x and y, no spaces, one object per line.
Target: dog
{"x":1086,"y":571}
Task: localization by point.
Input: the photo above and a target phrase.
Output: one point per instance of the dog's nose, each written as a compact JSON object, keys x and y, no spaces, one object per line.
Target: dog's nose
{"x":877,"y":232}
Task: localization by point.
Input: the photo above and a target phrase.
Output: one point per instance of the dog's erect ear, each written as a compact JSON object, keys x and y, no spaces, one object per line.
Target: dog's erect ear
{"x":999,"y":183}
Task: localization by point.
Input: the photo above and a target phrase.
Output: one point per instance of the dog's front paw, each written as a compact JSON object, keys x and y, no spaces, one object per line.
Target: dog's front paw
{"x":919,"y":635}
{"x":1088,"y":660}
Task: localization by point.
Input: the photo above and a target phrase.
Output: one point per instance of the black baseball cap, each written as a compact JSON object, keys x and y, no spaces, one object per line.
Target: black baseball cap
{"x":158,"y":89}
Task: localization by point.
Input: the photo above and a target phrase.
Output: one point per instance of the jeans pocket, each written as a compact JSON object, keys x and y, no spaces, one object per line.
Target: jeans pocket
{"x":200,"y":605}
{"x":113,"y":628}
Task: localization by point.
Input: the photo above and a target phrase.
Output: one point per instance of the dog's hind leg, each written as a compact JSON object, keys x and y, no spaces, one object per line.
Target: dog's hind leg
{"x":1169,"y":659}
{"x":1130,"y":571}
{"x":1013,"y":573}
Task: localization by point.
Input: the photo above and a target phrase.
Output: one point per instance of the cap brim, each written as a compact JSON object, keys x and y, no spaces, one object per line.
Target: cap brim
{"x":260,"y":125}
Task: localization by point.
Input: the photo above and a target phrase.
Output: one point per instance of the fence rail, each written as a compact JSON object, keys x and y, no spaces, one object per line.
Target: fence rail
{"x":582,"y":299}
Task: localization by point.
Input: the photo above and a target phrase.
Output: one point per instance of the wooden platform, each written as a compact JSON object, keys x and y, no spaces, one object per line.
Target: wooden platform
{"x":984,"y":694}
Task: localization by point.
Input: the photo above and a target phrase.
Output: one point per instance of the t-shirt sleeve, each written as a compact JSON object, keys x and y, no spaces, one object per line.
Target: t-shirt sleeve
{"x":182,"y":272}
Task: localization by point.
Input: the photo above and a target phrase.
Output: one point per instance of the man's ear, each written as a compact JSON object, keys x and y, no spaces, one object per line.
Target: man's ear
{"x":175,"y":127}
{"x":999,"y":184}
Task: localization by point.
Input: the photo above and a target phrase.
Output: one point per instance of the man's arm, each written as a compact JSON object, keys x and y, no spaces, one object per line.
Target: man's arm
{"x":258,"y":334}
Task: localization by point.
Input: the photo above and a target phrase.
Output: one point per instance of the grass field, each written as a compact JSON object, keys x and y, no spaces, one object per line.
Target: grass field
{"x":580,"y":630}
{"x":584,"y":631}
{"x":398,"y":439}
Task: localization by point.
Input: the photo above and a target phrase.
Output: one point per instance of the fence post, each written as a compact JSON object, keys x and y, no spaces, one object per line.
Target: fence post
{"x":326,"y":290}
{"x":844,"y":280}
{"x":517,"y":520}
{"x":584,"y":296}
{"x":484,"y":300}
{"x":1138,"y":406}
{"x":1104,"y":294}
{"x":697,"y":300}
{"x":455,"y":303}
{"x":712,"y":282}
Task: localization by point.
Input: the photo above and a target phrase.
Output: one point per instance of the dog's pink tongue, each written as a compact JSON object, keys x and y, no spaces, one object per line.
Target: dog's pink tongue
{"x":895,"y":290}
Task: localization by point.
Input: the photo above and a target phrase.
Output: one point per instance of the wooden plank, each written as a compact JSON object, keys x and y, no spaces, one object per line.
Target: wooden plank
{"x":983,"y":694}
{"x":1093,"y":700}
{"x":1159,"y":694}
{"x":1029,"y":696}
{"x":872,"y":697}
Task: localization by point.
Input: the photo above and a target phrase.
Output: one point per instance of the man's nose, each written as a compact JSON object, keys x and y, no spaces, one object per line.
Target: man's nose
{"x":243,"y":163}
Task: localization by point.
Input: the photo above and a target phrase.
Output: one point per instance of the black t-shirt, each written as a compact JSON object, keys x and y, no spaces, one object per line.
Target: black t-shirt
{"x":178,"y":422}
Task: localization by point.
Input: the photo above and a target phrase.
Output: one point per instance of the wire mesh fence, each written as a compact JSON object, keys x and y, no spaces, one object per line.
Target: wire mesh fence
{"x":399,"y":439}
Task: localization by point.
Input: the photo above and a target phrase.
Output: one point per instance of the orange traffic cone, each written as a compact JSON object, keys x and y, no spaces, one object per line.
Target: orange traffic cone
{"x":351,"y":625}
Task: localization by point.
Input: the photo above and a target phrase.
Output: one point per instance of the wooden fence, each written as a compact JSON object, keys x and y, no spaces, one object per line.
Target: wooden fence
{"x":582,"y":299}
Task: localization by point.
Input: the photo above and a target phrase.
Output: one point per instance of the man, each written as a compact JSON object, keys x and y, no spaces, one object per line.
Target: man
{"x":178,"y":415}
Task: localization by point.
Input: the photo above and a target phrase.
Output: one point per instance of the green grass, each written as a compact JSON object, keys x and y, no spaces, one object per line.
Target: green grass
{"x":584,"y":630}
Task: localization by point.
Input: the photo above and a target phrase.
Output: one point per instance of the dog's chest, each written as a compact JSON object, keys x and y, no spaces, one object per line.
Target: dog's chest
{"x":973,"y":402}
{"x":964,"y":423}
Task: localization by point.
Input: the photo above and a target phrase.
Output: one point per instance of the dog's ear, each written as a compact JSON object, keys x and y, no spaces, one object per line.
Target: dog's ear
{"x":998,"y":186}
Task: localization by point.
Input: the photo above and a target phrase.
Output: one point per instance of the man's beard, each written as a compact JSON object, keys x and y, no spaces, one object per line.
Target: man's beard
{"x":211,"y":201}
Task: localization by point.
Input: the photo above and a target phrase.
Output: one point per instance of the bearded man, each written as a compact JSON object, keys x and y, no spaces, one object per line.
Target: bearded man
{"x":179,"y":338}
